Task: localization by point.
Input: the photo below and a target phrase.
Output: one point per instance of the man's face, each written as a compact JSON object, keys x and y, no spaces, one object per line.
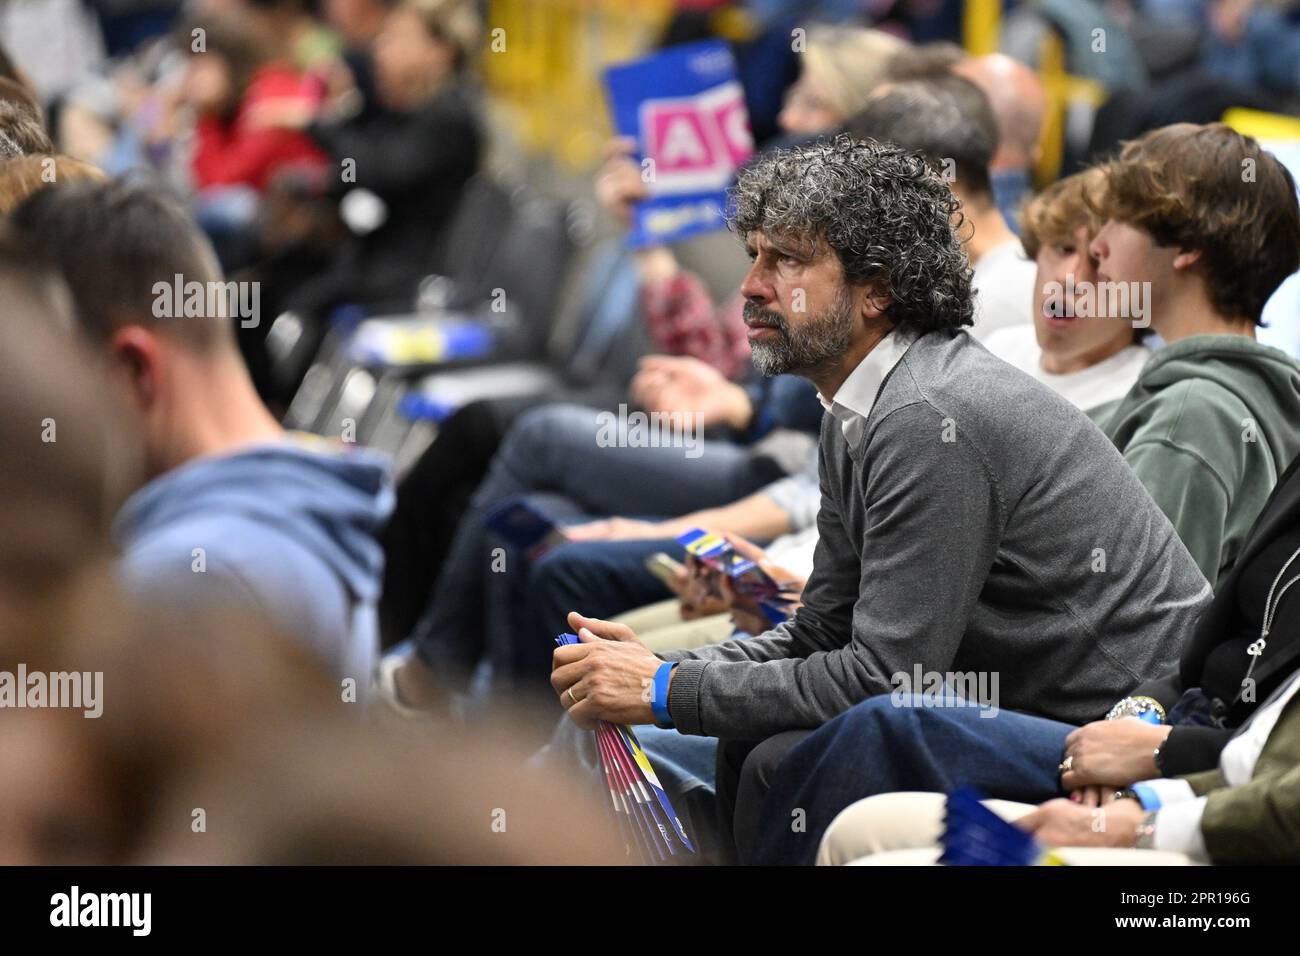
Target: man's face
{"x":1125,"y":253}
{"x":1069,"y":317}
{"x":800,"y":313}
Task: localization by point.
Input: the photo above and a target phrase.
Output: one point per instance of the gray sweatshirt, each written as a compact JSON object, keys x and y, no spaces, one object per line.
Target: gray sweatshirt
{"x":981,"y":523}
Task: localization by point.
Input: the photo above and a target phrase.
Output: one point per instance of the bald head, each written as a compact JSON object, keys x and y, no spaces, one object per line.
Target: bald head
{"x":1019,"y":104}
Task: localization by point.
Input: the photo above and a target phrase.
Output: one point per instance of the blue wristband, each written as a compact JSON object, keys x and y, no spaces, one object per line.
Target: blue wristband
{"x":659,"y":698}
{"x":1147,"y":796}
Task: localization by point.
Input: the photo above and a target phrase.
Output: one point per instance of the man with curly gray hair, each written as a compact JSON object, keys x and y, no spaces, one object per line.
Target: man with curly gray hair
{"x":972,"y":521}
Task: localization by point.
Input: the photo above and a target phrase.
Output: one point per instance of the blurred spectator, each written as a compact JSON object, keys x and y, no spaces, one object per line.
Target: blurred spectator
{"x":1020,"y":106}
{"x":358,"y":23}
{"x":949,"y":120}
{"x":230,"y":83}
{"x":401,"y":172}
{"x":839,"y":68}
{"x":233,"y":510}
{"x":292,"y":32}
{"x":71,"y":460}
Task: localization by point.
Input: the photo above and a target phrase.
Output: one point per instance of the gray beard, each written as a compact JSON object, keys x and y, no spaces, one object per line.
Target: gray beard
{"x":815,"y":343}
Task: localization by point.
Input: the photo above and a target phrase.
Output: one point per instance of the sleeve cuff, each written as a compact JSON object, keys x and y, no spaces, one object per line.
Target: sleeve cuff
{"x":1178,"y":829}
{"x":1169,"y":791}
{"x":1190,"y":749}
{"x":684,"y":696}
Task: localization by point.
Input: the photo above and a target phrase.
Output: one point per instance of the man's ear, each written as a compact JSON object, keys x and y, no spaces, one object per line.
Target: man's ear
{"x":136,"y":352}
{"x":875,"y":300}
{"x":1187,"y":258}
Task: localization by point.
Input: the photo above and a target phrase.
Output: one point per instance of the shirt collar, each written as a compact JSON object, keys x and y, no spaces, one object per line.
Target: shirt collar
{"x":855,"y":398}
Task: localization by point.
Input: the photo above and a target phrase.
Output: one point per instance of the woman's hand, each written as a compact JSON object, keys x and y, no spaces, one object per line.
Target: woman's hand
{"x":616,"y":529}
{"x":1112,"y":753}
{"x":1064,"y":823}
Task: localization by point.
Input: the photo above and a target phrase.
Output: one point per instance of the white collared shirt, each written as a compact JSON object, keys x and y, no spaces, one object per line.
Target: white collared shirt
{"x":856,"y":397}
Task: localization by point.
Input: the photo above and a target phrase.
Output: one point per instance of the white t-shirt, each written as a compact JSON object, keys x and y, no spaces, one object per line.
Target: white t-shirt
{"x":1108,"y":380}
{"x":1003,"y":281}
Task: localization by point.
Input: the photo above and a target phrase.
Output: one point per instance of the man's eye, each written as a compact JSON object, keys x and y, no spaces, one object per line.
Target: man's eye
{"x":1064,"y":250}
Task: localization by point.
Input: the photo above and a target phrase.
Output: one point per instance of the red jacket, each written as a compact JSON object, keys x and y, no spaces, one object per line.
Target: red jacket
{"x":231,"y":152}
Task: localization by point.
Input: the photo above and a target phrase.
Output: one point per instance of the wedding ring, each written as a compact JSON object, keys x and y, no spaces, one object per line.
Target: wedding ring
{"x":1066,"y":764}
{"x":572,"y":696}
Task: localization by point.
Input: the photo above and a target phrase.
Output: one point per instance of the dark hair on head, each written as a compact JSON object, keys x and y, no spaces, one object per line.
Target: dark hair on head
{"x":21,"y":131}
{"x":924,"y":62}
{"x":948,"y":119}
{"x":113,"y":242}
{"x":1211,"y":189}
{"x":889,"y":219}
{"x":17,"y":93}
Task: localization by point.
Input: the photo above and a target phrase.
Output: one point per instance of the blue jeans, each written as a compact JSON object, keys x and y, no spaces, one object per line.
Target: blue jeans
{"x":555,"y":451}
{"x":880,"y":747}
{"x":528,"y":608}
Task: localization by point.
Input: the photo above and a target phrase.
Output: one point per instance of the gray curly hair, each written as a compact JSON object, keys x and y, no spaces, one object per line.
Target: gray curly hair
{"x":887,"y":215}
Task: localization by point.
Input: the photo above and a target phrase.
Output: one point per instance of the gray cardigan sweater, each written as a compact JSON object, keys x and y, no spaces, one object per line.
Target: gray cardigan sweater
{"x":982,"y":524}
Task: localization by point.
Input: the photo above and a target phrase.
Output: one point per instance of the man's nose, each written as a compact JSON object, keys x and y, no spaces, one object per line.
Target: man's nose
{"x":754,"y":289}
{"x":1098,"y":249}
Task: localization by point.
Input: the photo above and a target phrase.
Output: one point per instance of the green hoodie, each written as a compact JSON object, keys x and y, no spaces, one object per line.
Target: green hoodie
{"x":1209,"y":425}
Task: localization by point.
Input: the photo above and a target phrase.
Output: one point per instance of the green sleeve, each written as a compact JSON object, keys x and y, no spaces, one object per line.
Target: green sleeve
{"x":1206,"y":781}
{"x":1259,"y":821}
{"x":1190,"y":492}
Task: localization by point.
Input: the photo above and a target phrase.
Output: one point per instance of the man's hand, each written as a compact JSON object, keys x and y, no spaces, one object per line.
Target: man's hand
{"x":1112,"y":753}
{"x":686,"y":385}
{"x":746,"y":614}
{"x":701,"y":594}
{"x":609,"y":676}
{"x":1063,"y":823}
{"x":619,"y":186}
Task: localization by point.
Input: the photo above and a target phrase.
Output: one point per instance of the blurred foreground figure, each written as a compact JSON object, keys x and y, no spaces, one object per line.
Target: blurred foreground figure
{"x":234,"y":509}
{"x":197,"y":730}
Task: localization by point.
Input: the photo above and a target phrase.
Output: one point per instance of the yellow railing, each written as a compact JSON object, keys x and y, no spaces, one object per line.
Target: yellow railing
{"x":543,"y":61}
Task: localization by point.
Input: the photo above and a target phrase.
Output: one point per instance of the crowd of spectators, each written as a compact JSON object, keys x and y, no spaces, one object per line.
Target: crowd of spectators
{"x":1032,"y":430}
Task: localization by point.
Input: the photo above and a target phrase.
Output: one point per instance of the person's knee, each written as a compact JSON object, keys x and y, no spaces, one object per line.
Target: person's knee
{"x":761,"y":765}
{"x":550,"y":431}
{"x":552,"y":577}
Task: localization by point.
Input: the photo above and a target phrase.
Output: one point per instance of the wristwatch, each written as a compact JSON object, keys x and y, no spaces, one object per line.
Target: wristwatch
{"x":1143,"y":708}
